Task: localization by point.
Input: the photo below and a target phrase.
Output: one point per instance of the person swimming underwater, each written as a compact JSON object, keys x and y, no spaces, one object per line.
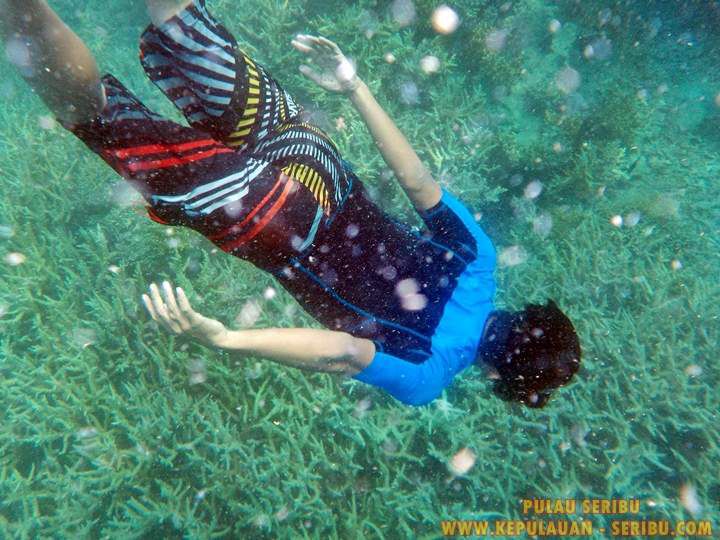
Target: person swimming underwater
{"x":405,"y":310}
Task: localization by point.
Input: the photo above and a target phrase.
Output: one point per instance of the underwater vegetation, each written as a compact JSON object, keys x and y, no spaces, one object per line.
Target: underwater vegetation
{"x":585,"y":135}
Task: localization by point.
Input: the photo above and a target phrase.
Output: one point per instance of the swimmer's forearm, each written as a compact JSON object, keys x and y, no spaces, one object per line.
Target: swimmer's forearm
{"x":410,"y":171}
{"x":305,"y":348}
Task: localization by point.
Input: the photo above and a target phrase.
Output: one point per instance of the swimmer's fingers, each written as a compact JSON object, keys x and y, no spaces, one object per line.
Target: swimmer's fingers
{"x":319,"y":48}
{"x":173,"y":309}
{"x":186,"y":309}
{"x":302,"y":45}
{"x":161,"y":310}
{"x":208,"y":330}
{"x":309,"y":45}
{"x":149,"y":307}
{"x":330,"y":46}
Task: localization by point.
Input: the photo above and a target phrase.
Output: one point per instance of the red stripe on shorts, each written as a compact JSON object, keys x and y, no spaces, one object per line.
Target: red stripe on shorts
{"x":124,"y":153}
{"x":263,"y":222}
{"x":176,"y":161}
{"x":238,"y":226}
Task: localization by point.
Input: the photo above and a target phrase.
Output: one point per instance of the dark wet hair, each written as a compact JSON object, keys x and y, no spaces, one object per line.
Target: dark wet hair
{"x":533,"y":351}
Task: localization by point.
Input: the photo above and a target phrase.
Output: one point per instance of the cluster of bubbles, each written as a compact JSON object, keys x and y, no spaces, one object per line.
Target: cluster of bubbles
{"x":630,"y":219}
{"x":444,"y":19}
{"x":542,"y":222}
{"x":599,"y":49}
{"x":408,"y":290}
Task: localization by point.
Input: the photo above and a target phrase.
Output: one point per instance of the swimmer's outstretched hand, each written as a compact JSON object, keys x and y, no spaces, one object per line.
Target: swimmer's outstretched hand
{"x":334,"y":71}
{"x":178,"y":317}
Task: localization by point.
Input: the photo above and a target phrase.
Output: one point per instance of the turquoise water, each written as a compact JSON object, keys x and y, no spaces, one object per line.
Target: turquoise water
{"x":585,"y":133}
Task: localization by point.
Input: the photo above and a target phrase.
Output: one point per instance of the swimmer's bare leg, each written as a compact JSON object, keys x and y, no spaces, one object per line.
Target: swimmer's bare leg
{"x":52,"y":59}
{"x":162,"y":10}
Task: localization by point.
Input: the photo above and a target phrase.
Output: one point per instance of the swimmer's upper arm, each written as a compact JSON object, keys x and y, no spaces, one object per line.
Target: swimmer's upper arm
{"x":412,"y":384}
{"x":361,"y":354}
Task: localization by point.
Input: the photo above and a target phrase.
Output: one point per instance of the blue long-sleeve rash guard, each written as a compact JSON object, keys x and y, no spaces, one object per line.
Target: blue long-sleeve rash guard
{"x":457,"y":336}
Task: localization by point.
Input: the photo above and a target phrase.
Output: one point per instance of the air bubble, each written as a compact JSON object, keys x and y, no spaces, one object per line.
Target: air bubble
{"x":269,"y":293}
{"x":495,"y":41}
{"x":512,"y":256}
{"x":632,"y":219}
{"x":197,"y":371}
{"x":445,"y":20}
{"x":430,"y":64}
{"x":352,"y":230}
{"x":249,"y":314}
{"x":15,"y":259}
{"x":533,"y":189}
{"x":409,"y":93}
{"x":568,"y":80}
{"x":462,"y":462}
{"x":403,"y":12}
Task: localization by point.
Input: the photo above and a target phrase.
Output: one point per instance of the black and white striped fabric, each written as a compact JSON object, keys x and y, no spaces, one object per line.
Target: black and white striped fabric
{"x":197,"y":63}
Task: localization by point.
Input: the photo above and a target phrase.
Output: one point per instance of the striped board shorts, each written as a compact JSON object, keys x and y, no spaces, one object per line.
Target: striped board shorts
{"x":250,"y":173}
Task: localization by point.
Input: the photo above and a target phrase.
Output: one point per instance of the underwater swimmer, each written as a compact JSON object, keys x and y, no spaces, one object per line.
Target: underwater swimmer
{"x":405,"y":310}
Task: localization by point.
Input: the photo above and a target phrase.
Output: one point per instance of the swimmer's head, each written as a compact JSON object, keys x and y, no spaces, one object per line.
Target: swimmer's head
{"x":530,"y":352}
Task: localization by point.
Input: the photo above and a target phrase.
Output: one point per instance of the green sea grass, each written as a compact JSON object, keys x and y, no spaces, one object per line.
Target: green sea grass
{"x":103,"y":434}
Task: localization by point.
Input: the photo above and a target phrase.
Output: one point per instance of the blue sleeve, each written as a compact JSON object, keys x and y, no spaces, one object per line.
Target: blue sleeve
{"x":454,"y":226}
{"x":413,"y":384}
